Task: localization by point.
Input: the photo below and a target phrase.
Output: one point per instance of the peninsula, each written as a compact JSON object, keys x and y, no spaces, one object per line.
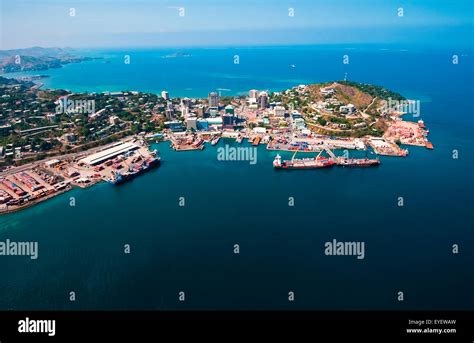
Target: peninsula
{"x":37,"y":58}
{"x":52,"y":140}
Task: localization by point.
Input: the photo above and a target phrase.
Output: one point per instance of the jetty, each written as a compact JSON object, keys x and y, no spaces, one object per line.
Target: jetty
{"x":33,"y":183}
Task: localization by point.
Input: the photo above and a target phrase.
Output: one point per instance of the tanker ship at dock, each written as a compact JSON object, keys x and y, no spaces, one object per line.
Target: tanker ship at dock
{"x":322,"y":162}
{"x":303,"y":163}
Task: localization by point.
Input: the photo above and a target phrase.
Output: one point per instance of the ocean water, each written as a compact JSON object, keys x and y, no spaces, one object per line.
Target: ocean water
{"x":190,"y":248}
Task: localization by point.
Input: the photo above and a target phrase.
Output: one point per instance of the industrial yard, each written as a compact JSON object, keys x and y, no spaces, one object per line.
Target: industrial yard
{"x":27,"y":185}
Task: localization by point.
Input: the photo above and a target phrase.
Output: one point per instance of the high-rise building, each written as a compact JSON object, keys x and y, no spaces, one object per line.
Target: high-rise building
{"x":263,"y":100}
{"x":253,"y":93}
{"x":228,"y":121}
{"x":186,"y":102}
{"x":169,"y":114}
{"x":213,"y":99}
{"x":184,"y":111}
{"x":165,"y":95}
{"x":191,"y":123}
{"x":199,"y":110}
{"x":229,"y":109}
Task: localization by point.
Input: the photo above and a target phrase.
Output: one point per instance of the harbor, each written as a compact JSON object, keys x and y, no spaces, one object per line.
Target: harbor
{"x":116,"y":163}
{"x":291,"y":157}
{"x":122,"y":161}
{"x":334,"y":120}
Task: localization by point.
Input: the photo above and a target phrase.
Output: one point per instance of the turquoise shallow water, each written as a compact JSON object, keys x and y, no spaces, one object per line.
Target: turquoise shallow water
{"x":190,"y":248}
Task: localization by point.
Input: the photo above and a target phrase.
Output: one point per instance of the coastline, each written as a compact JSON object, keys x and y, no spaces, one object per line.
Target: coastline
{"x":282,"y":132}
{"x":264,"y":156}
{"x":69,"y":165}
{"x":34,"y":202}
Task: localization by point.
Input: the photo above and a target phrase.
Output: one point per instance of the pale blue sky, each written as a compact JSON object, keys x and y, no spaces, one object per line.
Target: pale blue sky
{"x":106,"y":23}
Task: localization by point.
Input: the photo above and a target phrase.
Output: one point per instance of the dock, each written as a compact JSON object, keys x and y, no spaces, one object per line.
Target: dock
{"x":186,"y":142}
{"x":387,"y":148}
{"x":30,"y":184}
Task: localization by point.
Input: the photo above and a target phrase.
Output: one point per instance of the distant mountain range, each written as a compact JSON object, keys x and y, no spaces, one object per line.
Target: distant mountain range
{"x":37,"y":58}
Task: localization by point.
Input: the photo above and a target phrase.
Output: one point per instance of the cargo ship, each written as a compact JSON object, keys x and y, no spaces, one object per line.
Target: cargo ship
{"x":357,"y":162}
{"x":132,"y":172}
{"x":303,"y":163}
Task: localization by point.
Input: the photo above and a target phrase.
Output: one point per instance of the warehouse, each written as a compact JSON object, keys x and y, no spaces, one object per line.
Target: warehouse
{"x":104,"y":155}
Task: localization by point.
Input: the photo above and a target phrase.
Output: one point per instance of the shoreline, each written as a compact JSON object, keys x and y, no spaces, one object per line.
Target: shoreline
{"x":33,"y":180}
{"x":94,"y":182}
{"x":35,"y":202}
{"x":261,"y":118}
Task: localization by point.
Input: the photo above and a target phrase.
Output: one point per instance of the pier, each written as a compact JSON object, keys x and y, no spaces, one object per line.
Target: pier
{"x":387,"y":148}
{"x":30,"y":184}
{"x":185,"y":142}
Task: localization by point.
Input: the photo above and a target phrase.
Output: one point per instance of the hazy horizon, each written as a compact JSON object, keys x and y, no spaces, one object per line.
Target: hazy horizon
{"x":212,"y":23}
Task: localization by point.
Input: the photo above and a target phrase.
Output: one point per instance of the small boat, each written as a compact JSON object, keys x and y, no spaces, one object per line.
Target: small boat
{"x":215,"y":140}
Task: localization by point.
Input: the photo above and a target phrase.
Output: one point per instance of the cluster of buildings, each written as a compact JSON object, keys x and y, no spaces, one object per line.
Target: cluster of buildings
{"x":212,"y":114}
{"x":34,"y":121}
{"x":86,"y":118}
{"x":332,"y":104}
{"x":199,"y":115}
{"x":258,"y":99}
{"x":257,"y":116}
{"x":294,"y":111}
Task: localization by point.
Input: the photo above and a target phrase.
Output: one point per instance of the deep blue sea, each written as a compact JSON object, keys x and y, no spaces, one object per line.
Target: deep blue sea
{"x":191,"y":248}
